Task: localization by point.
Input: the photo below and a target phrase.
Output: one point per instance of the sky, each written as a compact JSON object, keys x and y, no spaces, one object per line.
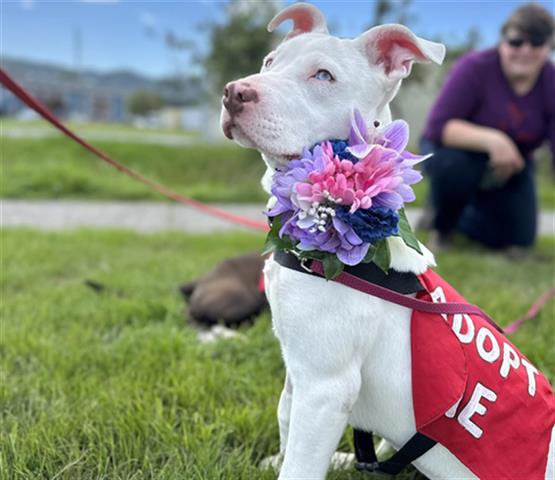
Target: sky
{"x":128,"y":34}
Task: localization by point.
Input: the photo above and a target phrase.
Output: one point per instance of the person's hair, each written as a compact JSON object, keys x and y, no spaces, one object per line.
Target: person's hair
{"x":532,"y":20}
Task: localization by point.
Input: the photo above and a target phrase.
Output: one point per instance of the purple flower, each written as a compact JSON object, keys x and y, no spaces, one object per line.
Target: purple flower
{"x":341,"y":197}
{"x":336,"y":237}
{"x":391,"y":141}
{"x":284,"y":182}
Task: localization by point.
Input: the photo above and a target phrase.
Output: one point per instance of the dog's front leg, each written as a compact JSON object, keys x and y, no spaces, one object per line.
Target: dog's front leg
{"x":284,"y":417}
{"x":319,"y":414}
{"x":284,"y":414}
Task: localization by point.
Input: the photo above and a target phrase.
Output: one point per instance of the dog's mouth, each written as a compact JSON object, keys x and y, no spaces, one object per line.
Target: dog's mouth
{"x":228,"y":125}
{"x":233,"y":131}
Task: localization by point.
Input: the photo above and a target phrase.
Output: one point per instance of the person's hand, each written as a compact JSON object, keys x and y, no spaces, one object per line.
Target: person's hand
{"x":504,"y":157}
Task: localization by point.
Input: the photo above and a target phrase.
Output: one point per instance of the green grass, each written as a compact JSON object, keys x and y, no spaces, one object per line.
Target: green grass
{"x":85,"y":128}
{"x":58,"y":168}
{"x":116,"y":386}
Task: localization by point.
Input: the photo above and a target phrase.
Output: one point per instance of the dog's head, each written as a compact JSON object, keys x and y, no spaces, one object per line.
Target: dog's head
{"x":309,"y":85}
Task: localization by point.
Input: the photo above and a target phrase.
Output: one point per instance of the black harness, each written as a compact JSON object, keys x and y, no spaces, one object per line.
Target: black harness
{"x":419,"y":444}
{"x":405,"y":283}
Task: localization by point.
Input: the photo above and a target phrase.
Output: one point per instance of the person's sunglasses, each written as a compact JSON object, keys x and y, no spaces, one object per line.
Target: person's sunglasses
{"x":517,"y":42}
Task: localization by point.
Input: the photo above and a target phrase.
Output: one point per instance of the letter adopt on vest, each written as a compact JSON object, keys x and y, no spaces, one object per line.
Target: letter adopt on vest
{"x":476,"y":394}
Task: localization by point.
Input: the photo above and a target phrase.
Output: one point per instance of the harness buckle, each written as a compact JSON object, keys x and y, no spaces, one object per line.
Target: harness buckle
{"x":303,"y":265}
{"x":302,"y":261}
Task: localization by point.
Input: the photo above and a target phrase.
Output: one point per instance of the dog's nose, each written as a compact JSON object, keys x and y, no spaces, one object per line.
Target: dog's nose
{"x":236,"y":94}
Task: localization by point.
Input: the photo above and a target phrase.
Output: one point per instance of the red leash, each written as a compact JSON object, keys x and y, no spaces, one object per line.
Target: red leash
{"x":534,"y":310}
{"x":33,"y":103}
{"x":438,"y":308}
{"x":405,"y":301}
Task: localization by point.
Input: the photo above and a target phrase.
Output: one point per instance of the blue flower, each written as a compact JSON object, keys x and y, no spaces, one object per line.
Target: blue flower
{"x":371,"y":224}
{"x":340,"y":149}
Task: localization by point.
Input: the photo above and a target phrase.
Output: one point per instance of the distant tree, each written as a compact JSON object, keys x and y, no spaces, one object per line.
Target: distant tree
{"x":388,"y":11}
{"x":237,"y":46}
{"x":173,"y":41}
{"x":473,"y":38}
{"x":179,"y":49}
{"x":143,"y":102}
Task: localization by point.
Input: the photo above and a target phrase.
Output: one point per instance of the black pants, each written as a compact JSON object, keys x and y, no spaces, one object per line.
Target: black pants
{"x":464,"y":197}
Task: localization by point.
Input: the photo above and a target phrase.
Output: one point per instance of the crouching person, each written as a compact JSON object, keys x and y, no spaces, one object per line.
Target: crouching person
{"x":496,"y":107}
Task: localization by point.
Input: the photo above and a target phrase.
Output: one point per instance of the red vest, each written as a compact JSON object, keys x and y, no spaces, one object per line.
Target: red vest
{"x":476,"y":394}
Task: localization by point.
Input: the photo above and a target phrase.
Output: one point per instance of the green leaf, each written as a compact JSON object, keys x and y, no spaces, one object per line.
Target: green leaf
{"x":273,"y":241}
{"x":332,"y":266}
{"x":369,"y":257}
{"x":382,"y":255}
{"x":406,"y":233}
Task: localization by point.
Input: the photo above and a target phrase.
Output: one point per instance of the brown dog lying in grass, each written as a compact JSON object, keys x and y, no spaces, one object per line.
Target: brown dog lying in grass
{"x":229,"y":294}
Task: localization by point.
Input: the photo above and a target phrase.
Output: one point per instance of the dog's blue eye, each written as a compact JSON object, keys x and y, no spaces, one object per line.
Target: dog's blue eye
{"x":323,"y":75}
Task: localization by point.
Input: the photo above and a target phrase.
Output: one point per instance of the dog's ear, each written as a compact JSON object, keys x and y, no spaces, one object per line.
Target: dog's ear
{"x":306,"y":19}
{"x":395,"y":48}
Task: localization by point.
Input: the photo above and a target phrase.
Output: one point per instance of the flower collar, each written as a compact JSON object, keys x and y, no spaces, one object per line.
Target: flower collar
{"x":342,"y":199}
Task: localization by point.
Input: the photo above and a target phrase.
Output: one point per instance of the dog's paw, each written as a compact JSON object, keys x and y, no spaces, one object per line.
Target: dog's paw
{"x":272,"y":462}
{"x":217,"y":332}
{"x":339,"y":461}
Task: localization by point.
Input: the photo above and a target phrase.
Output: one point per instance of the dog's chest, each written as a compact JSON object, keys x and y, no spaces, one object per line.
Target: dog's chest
{"x":308,"y":306}
{"x":325,"y":323}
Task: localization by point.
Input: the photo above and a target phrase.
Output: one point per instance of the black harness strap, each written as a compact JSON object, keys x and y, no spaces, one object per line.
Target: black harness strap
{"x":401,"y":282}
{"x":405,"y":283}
{"x":364,"y":448}
{"x":367,"y":461}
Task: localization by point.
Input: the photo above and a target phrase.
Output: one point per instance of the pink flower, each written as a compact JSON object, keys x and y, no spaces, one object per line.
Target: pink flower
{"x":350,"y":184}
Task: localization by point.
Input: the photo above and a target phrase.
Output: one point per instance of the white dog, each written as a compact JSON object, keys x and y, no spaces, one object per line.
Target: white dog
{"x":347,"y":353}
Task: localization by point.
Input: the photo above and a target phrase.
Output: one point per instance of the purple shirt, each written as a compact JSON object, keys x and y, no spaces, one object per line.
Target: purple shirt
{"x":476,"y":90}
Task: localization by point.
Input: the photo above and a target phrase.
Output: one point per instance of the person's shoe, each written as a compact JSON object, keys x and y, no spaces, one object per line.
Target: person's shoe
{"x":440,"y":242}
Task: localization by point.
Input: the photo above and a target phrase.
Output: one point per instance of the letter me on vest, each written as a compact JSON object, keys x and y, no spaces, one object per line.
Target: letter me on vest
{"x":476,"y":394}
